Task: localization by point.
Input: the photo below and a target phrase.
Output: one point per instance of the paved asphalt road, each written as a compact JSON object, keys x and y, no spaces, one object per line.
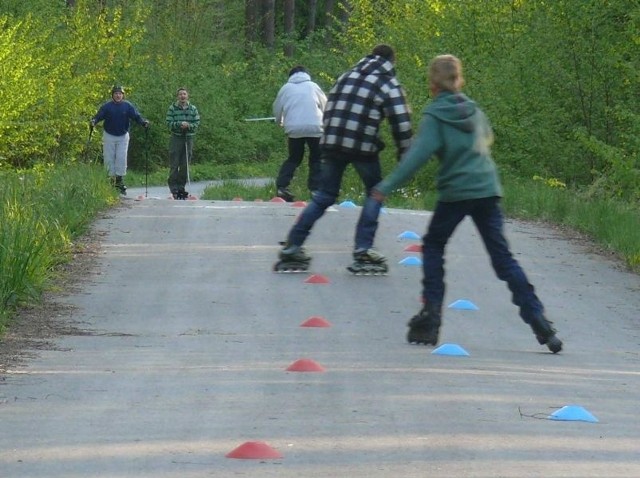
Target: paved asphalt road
{"x":189,"y":334}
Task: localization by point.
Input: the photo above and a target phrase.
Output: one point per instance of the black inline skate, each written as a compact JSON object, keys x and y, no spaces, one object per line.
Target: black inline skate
{"x":425,"y":326}
{"x":292,"y":259}
{"x":180,"y":194}
{"x":368,"y":263}
{"x":285,"y":194}
{"x":118,"y":183}
{"x":545,"y":333}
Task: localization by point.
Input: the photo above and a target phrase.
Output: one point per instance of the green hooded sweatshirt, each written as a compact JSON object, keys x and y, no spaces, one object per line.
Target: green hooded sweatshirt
{"x":458,"y":133}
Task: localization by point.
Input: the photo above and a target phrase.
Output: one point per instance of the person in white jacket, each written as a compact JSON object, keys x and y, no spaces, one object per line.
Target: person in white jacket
{"x":298,"y":107}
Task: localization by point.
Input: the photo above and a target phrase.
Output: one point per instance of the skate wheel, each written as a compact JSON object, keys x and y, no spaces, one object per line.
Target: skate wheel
{"x":280,"y":269}
{"x":420,"y":337}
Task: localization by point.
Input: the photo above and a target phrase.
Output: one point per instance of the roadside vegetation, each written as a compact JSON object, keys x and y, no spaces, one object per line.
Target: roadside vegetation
{"x":559,"y":81}
{"x":42,"y":211}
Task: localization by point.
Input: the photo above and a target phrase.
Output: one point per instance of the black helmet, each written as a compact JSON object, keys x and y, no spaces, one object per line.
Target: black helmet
{"x":117,"y":88}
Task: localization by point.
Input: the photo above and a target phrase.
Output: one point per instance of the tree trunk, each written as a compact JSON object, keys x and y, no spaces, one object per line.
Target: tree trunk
{"x":311,"y":16}
{"x":289,"y":27}
{"x":251,"y":21}
{"x":328,"y":12}
{"x":268,"y":18}
{"x":345,"y":11}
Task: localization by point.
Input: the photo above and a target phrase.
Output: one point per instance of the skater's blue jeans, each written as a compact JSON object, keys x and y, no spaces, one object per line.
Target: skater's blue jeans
{"x":487,"y":216}
{"x":333,"y":168}
{"x":293,"y":161}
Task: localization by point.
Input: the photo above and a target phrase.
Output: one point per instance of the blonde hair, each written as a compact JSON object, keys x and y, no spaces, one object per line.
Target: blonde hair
{"x":445,"y":72}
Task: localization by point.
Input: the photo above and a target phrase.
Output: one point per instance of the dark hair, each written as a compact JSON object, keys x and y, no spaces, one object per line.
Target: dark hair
{"x":182,"y":88}
{"x":117,"y":88}
{"x":385,"y":51}
{"x":297,"y":69}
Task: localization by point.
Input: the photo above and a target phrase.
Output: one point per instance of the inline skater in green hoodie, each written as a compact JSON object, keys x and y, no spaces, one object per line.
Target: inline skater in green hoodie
{"x":458,"y":133}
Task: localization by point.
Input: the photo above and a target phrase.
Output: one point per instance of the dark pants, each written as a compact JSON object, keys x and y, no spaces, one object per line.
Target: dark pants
{"x":180,"y":148}
{"x":487,"y":216}
{"x":333,"y":167}
{"x":296,"y":154}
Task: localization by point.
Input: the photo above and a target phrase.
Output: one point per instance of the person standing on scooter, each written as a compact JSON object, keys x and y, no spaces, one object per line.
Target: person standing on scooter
{"x":183,"y":121}
{"x":117,"y":115}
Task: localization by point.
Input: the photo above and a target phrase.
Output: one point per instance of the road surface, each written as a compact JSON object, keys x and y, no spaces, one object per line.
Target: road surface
{"x":188,"y":335}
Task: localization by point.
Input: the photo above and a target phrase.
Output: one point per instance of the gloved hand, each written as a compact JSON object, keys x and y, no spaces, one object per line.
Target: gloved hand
{"x":146,"y":124}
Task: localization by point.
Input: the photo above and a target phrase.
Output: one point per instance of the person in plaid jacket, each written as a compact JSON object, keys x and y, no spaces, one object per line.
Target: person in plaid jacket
{"x":357,"y":104}
{"x":183,"y":121}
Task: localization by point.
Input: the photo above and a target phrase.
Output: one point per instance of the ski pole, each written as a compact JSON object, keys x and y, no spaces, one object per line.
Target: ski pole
{"x":268,"y":118}
{"x":186,"y":155}
{"x":146,"y":162}
{"x":86,"y":148}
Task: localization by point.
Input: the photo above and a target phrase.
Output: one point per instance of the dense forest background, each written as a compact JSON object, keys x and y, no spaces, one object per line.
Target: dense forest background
{"x":559,"y":79}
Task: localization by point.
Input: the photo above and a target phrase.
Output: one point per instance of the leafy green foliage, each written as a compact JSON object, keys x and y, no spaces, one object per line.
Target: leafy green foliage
{"x":56,"y":64}
{"x":558,"y":79}
{"x":41,"y":211}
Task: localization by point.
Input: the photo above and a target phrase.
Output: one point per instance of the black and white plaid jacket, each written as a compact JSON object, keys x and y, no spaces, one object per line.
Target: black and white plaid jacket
{"x":358,"y":102}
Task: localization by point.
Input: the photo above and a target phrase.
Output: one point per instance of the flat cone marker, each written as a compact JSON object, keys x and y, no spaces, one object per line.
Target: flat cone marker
{"x":463,"y":304}
{"x":258,"y":200}
{"x":573,"y":413}
{"x":408,"y":235}
{"x":305,"y":365}
{"x":347,"y":204}
{"x":317,"y":279}
{"x":237,"y":199}
{"x":254,"y":450}
{"x":451,"y":349}
{"x":413,"y":248}
{"x":277,"y":199}
{"x":316,"y":321}
{"x":411,"y":261}
{"x":299,"y":204}
{"x":192,"y":197}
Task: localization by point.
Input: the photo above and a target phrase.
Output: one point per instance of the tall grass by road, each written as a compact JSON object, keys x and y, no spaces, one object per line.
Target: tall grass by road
{"x":41,"y":212}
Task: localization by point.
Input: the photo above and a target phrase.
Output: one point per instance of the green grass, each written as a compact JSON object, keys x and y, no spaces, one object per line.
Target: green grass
{"x":613,"y":225}
{"x":41,"y":211}
{"x":203,"y":172}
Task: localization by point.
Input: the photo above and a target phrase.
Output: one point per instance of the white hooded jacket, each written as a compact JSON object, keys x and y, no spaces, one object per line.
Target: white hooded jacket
{"x":299,"y":106}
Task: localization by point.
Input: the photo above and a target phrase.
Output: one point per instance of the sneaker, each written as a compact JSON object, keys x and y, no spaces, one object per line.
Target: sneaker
{"x":369,"y":256}
{"x":285,"y":194}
